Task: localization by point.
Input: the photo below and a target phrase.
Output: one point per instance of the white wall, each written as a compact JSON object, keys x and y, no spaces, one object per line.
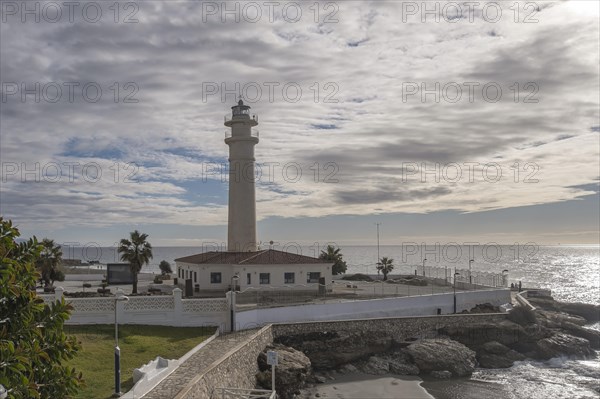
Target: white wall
{"x":375,"y":308}
{"x":162,"y":310}
{"x":276,"y":272}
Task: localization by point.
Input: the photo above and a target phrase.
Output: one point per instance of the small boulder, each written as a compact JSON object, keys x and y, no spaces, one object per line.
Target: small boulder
{"x":442,"y":354}
{"x":494,"y":355}
{"x":403,"y":368}
{"x":441,"y":374}
{"x":564,"y":344}
{"x":376,"y":366}
{"x":293,"y":370}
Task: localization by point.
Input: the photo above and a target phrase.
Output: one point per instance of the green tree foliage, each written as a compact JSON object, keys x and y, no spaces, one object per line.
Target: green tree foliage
{"x":136,"y":251}
{"x":385,"y":266}
{"x":33,"y":346}
{"x":49,"y":261}
{"x":334,"y":255}
{"x":165,"y":267}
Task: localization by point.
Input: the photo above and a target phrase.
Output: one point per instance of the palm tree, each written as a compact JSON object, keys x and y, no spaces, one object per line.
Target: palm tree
{"x":334,"y":255}
{"x":50,"y":259}
{"x":385,"y":265}
{"x":137,"y":252}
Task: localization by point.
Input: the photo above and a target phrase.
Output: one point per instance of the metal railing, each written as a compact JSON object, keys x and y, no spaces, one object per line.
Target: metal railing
{"x":238,"y":393}
{"x":253,"y":133}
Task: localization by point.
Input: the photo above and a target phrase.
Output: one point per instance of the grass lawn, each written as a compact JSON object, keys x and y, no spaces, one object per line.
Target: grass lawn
{"x":139,"y":345}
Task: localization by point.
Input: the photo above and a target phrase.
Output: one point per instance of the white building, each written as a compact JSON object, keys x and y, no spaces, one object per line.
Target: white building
{"x":214,"y":271}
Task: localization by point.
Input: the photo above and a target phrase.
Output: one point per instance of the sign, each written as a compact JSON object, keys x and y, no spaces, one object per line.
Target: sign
{"x":272,"y":358}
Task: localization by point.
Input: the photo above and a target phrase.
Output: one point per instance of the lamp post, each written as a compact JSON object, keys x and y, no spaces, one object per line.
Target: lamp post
{"x":118,"y":298}
{"x":424,"y":259}
{"x":470,"y":277}
{"x":455,"y":274}
{"x":235,"y":277}
{"x":505,"y":277}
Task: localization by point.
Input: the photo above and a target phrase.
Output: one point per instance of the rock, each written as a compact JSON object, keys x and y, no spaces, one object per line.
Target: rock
{"x":553,"y":319}
{"x":320,"y":379}
{"x":494,"y":355}
{"x":564,"y":344}
{"x":293,"y":369}
{"x":376,"y":366}
{"x":477,"y":334}
{"x":593,"y":336}
{"x":442,"y":354}
{"x":403,"y":368}
{"x":441,"y":374}
{"x":588,"y":311}
{"x":332,"y":350}
{"x":348,"y":368}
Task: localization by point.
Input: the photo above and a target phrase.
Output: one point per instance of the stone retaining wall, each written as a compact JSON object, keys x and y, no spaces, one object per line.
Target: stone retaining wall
{"x":238,"y":367}
{"x":402,"y":327}
{"x":235,"y":369}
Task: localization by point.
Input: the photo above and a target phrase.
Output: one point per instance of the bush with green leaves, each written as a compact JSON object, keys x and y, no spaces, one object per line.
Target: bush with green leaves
{"x":334,"y":255}
{"x":165,"y":267}
{"x":33,"y":346}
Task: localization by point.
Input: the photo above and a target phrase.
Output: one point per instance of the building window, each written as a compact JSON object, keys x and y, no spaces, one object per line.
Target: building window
{"x":215,"y":278}
{"x":186,"y":274}
{"x":289,"y":278}
{"x":179,"y":273}
{"x":313,"y":277}
{"x":195,"y":277}
{"x":265,"y":278}
{"x":249,"y":278}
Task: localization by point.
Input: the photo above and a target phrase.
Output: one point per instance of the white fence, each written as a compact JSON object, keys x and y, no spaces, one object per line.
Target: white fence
{"x":163,"y":310}
{"x":374,"y":308}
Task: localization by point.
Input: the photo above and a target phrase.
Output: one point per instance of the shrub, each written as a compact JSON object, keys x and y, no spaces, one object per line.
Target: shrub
{"x":522,"y":316}
{"x":165,"y":267}
{"x":158,"y":280}
{"x":358,"y":277}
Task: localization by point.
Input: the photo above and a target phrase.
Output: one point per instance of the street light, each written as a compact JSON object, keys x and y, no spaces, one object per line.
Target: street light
{"x":504,"y":277}
{"x":118,"y":298}
{"x":232,"y":299}
{"x":455,"y":274}
{"x":470,"y":277}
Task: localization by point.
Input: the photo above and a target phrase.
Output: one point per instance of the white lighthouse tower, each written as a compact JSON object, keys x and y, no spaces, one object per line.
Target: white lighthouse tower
{"x":241,"y":236}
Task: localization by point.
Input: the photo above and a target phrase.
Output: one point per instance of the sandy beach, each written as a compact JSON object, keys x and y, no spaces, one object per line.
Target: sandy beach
{"x":364,"y":386}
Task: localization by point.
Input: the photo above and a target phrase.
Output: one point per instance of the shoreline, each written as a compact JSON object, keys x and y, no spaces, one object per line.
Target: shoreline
{"x":358,"y":385}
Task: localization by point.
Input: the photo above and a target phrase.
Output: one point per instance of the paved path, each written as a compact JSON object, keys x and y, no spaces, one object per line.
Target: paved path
{"x":196,"y":364}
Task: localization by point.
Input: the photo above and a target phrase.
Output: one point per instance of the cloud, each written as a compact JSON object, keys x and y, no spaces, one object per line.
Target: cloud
{"x":351,"y":132}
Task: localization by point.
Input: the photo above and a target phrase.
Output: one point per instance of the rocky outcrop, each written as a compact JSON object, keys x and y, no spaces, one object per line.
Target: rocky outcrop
{"x":442,"y":354}
{"x":477,"y":334}
{"x":564,"y":344}
{"x":332,"y":350}
{"x":293,"y":370}
{"x":494,"y":355}
{"x":570,"y":324}
{"x":376,"y":366}
{"x":589,"y":312}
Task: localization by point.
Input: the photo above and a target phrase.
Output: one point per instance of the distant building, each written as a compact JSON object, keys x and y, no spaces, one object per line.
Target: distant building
{"x":260,"y":269}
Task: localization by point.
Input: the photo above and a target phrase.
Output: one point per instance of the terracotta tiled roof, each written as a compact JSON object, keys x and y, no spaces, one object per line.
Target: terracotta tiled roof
{"x":264,"y":257}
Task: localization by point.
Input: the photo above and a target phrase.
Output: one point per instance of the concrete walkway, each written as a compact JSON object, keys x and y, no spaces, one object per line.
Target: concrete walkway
{"x":196,"y":364}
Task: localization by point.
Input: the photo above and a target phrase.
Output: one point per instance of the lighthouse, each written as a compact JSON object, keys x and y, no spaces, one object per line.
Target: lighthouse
{"x":241,"y":234}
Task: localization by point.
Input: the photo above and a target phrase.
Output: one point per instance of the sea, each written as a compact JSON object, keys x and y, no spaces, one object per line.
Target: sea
{"x":572,"y":272}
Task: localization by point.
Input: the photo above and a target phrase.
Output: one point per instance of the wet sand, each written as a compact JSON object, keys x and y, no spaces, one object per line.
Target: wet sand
{"x":365,"y":386}
{"x":464,"y":388}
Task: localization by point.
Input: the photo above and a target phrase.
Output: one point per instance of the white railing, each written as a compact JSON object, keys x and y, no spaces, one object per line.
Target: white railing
{"x":168,"y":310}
{"x":253,"y":133}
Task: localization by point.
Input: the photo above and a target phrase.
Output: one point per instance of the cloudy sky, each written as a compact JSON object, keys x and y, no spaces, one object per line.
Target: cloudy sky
{"x":457,"y":123}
